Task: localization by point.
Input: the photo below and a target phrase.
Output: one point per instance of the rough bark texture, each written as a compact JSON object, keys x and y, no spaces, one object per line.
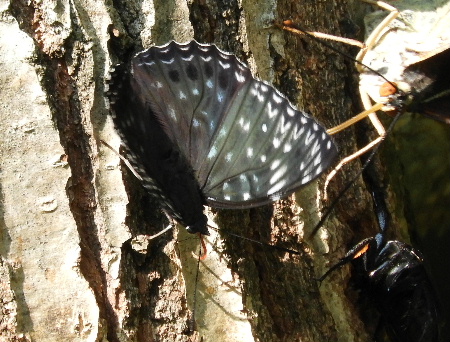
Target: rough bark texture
{"x":74,"y":265}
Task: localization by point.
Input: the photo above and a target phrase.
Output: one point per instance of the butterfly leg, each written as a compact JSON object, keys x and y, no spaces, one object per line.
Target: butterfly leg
{"x":170,"y":226}
{"x":371,"y":113}
{"x":374,"y":37}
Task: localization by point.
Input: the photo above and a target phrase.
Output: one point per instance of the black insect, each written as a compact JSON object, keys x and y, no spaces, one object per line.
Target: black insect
{"x":392,"y":275}
{"x":428,"y":87}
{"x":199,"y":129}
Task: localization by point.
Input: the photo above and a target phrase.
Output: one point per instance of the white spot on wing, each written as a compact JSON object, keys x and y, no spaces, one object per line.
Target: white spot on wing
{"x":212,"y":154}
{"x":172,"y":113}
{"x":278,"y":175}
{"x":277,"y":187}
{"x":170,"y":61}
{"x":188,"y":58}
{"x":275,"y":164}
{"x":240,"y":78}
{"x":249,"y":152}
{"x":276,"y":98}
{"x":276,"y":142}
{"x":224,"y":65}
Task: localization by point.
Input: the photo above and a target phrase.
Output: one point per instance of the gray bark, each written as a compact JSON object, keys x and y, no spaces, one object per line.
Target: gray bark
{"x":74,"y":263}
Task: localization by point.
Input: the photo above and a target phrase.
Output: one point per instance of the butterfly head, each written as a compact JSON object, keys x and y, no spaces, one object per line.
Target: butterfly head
{"x":199,"y":227}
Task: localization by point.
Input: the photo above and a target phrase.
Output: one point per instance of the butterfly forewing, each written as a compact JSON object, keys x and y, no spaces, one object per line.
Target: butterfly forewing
{"x":189,"y":85}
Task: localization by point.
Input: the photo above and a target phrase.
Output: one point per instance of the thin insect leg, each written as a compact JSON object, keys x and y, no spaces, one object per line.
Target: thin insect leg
{"x":347,"y":159}
{"x":374,"y":37}
{"x":170,"y":226}
{"x":370,"y":112}
{"x":355,"y":119}
{"x":288,"y":26}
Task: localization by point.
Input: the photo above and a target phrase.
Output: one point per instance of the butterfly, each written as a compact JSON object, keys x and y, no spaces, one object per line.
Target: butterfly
{"x":199,"y":129}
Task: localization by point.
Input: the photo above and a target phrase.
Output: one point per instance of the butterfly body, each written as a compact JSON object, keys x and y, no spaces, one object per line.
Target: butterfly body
{"x":199,"y":129}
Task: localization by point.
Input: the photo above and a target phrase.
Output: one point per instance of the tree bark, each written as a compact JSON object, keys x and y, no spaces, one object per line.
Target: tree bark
{"x":75,"y":265}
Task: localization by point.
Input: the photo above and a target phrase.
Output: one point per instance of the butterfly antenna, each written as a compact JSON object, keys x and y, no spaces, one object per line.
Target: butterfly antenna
{"x":192,"y":320}
{"x":257,"y":242}
{"x":354,"y":179}
{"x":288,"y":25}
{"x":122,"y":158}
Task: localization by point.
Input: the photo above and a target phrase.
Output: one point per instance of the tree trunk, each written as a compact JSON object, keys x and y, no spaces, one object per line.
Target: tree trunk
{"x":74,"y":263}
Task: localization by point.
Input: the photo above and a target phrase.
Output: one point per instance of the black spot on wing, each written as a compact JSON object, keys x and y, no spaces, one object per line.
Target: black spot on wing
{"x":174,"y":76}
{"x":192,"y":72}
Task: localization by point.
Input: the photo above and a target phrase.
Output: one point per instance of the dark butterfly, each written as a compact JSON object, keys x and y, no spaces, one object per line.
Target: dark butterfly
{"x":392,"y":275}
{"x":199,"y":129}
